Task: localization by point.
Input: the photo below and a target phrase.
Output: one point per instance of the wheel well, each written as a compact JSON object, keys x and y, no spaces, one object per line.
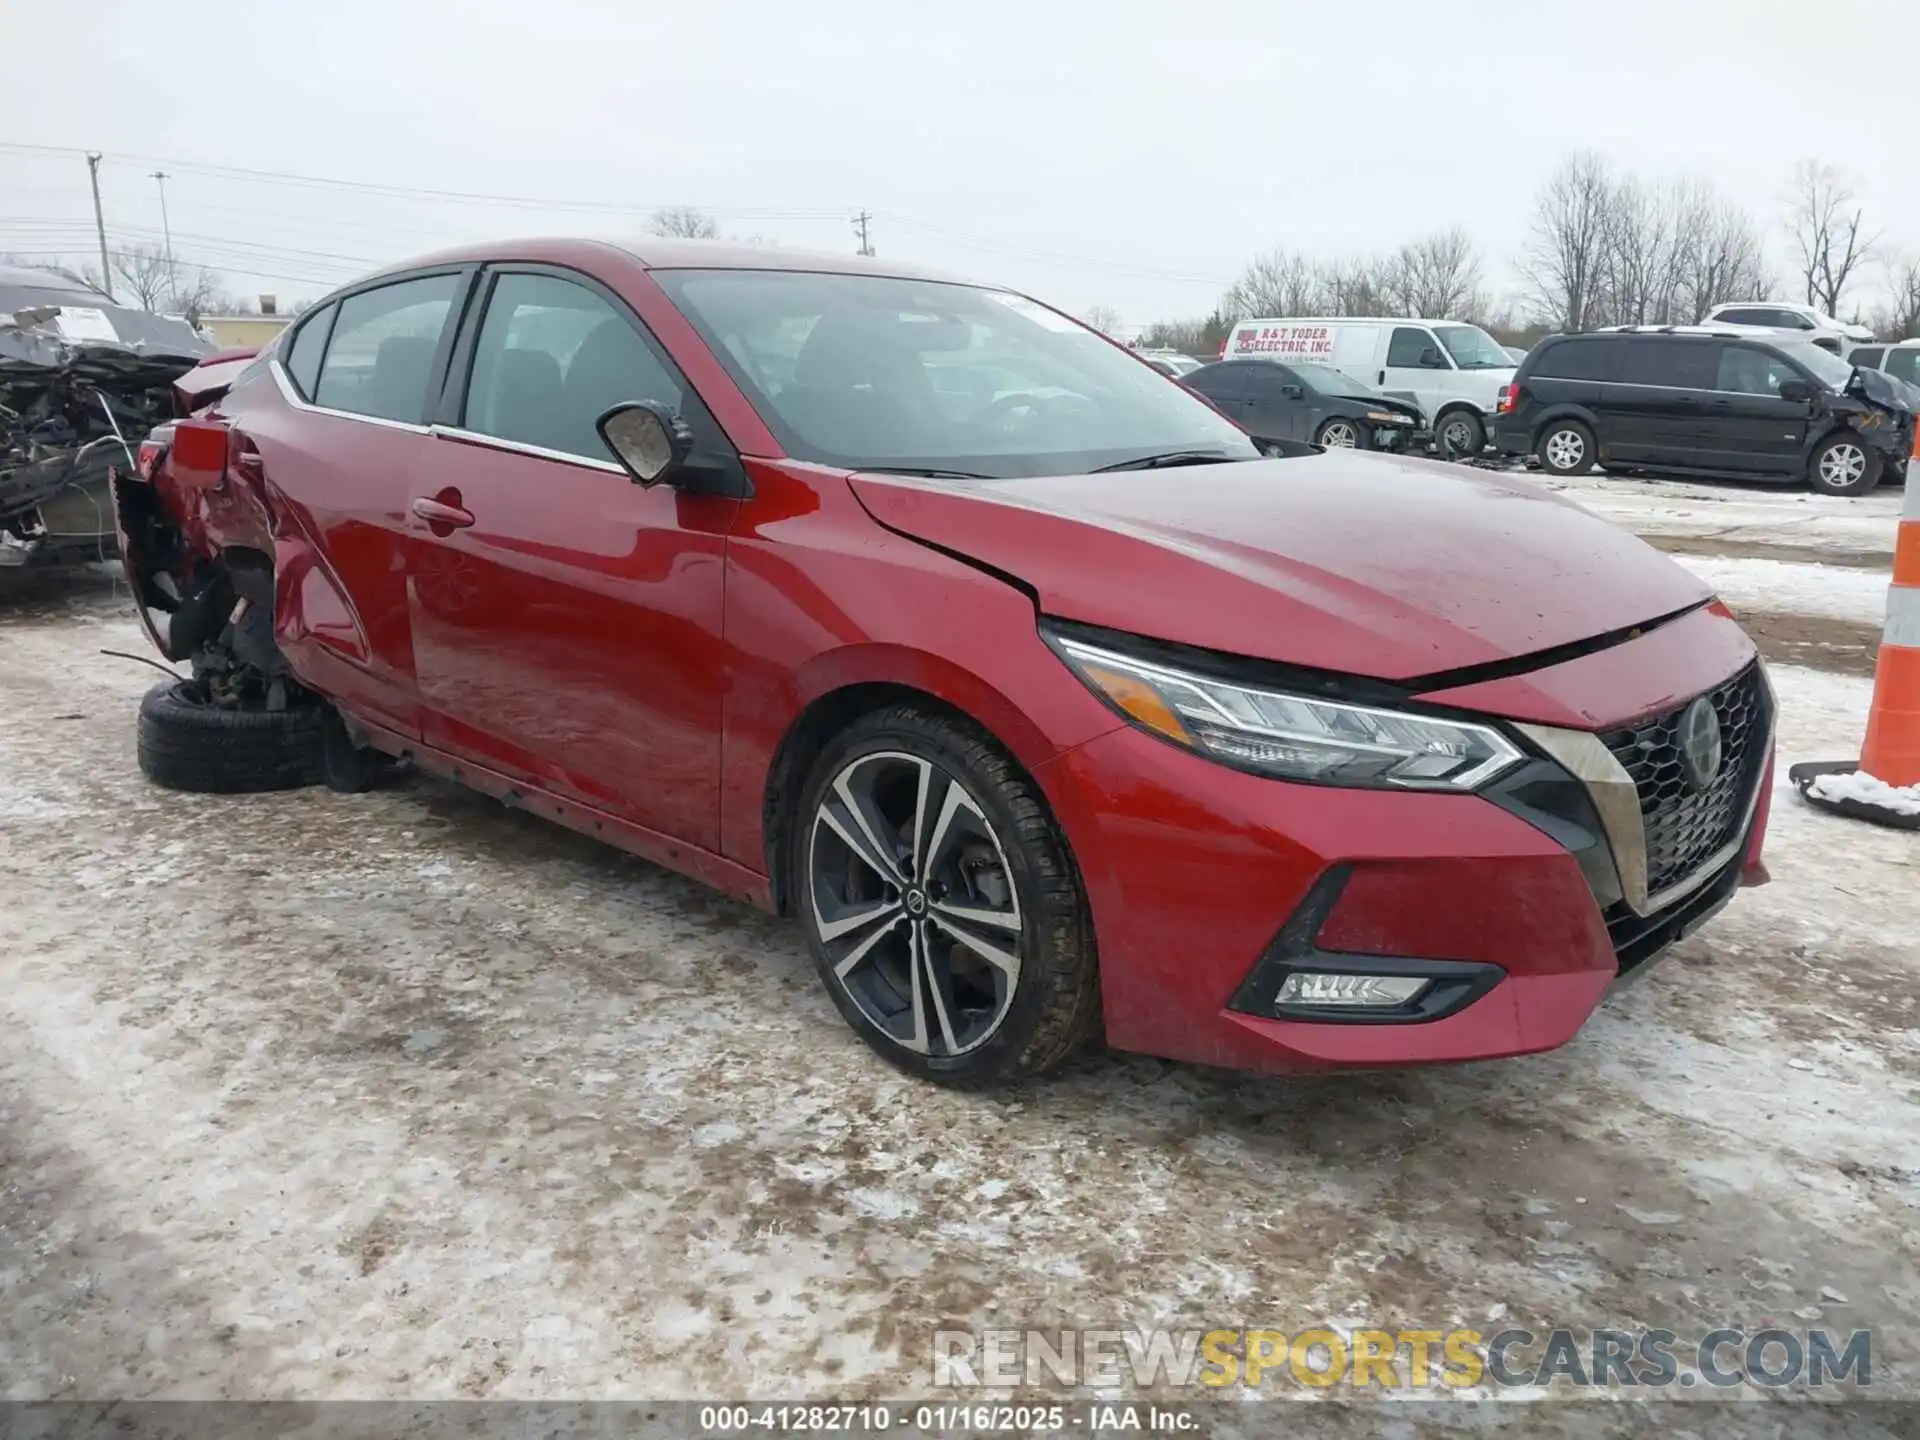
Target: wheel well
{"x":802,"y":744}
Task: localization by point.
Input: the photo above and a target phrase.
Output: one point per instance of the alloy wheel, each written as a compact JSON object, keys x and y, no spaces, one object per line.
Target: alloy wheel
{"x":1843,"y":464}
{"x":914,"y":903}
{"x":1339,"y":435}
{"x":1458,"y":433}
{"x":1565,"y":449}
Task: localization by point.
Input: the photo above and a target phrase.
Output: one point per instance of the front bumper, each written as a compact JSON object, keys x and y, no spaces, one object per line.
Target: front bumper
{"x":1208,"y":886}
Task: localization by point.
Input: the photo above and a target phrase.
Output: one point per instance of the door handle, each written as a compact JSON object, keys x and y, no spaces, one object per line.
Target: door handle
{"x":438,"y":512}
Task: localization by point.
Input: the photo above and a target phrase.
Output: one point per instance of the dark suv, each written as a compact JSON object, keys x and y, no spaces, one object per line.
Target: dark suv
{"x":1708,"y":402}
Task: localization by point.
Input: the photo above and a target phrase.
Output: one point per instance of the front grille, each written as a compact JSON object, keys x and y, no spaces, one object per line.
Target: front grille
{"x":1685,"y":826}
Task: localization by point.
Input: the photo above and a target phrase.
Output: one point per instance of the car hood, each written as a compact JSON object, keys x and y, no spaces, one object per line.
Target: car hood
{"x":1876,"y":387}
{"x":1357,"y":563}
{"x":1361,"y":403}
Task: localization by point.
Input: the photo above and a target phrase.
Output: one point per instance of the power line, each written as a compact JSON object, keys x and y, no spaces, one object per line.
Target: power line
{"x":411,"y":192}
{"x":862,"y":221}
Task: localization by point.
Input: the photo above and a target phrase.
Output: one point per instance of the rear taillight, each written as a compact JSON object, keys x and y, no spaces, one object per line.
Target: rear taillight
{"x":1509,"y":400}
{"x":149,"y":457}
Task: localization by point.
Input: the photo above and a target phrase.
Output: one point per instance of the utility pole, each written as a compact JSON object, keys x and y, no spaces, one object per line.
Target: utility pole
{"x":100,"y":224}
{"x":173,"y":276}
{"x":860,"y":223}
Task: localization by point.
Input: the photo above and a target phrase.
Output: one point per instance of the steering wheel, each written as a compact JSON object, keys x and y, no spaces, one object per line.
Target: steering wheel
{"x":999,"y":413}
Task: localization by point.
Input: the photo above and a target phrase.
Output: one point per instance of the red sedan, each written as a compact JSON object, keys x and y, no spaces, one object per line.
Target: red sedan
{"x":1040,"y":696}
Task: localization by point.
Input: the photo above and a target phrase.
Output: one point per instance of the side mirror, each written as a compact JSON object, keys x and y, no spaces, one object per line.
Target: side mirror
{"x":648,"y":439}
{"x":1432,"y":359}
{"x":1292,"y":392}
{"x":1798,"y":391}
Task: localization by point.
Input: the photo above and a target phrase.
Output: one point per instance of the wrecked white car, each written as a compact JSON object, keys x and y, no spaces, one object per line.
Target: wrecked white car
{"x":81,"y":379}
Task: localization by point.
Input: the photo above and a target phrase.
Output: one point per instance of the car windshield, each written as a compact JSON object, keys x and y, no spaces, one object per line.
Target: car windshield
{"x":1325,"y":380}
{"x":879,"y":372}
{"x":1472,"y":348}
{"x":1829,"y":369}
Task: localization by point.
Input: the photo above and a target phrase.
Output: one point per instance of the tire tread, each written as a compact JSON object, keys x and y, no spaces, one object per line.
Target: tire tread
{"x":1068,"y":1011}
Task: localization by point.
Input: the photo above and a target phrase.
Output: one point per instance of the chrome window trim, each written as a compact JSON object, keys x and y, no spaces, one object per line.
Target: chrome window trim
{"x":294,"y":398}
{"x":520,"y":447}
{"x":1617,"y":802}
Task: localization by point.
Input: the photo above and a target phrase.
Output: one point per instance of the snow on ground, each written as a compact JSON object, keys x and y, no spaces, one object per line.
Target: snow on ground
{"x":1790,"y":587}
{"x":1766,"y":514}
{"x":406,"y":1095}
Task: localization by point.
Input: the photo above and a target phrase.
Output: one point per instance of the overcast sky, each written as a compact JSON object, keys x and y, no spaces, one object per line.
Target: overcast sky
{"x":1132,"y":154}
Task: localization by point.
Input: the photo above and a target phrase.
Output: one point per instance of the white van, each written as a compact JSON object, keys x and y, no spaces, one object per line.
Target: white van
{"x":1453,"y":372}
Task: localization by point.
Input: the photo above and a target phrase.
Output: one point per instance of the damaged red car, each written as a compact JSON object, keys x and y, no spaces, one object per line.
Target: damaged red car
{"x":1046,"y":701}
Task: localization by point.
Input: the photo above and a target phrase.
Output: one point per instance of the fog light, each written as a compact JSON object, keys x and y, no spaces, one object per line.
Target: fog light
{"x":1309,"y":987}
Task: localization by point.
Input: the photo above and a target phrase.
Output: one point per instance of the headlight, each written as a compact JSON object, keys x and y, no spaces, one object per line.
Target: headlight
{"x":1294,"y":737}
{"x":1384,"y":417}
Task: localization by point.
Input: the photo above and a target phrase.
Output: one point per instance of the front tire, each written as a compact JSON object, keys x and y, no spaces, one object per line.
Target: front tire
{"x":1461,"y":434}
{"x":1566,"y":448}
{"x":1842,"y":465}
{"x":941,"y":905}
{"x":1341,"y":434}
{"x":185,"y":742}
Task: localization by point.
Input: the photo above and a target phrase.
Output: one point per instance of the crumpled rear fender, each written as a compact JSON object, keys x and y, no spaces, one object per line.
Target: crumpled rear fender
{"x":205,"y":520}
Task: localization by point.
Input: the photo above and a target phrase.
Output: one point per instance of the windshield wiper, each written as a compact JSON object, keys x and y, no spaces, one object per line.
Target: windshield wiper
{"x":1170,"y":457}
{"x":922,"y":471}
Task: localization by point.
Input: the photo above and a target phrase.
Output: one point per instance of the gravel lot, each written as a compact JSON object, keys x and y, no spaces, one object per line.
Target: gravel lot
{"x":406,"y":1095}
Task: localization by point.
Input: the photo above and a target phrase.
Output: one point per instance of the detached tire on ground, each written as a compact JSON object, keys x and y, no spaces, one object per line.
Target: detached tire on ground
{"x":1566,"y":448}
{"x":1843,"y":465}
{"x":942,"y":906}
{"x":187,"y":744}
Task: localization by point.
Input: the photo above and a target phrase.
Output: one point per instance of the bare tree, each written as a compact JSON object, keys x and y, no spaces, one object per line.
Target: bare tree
{"x":1634,"y":279}
{"x":1565,"y":255}
{"x":683,"y":222}
{"x":1825,"y":227}
{"x":140,"y":274}
{"x":1281,"y":282}
{"x":1437,"y":277}
{"x":1899,"y":318}
{"x":1190,"y":337}
{"x":1717,"y":256}
{"x":1105,"y":319}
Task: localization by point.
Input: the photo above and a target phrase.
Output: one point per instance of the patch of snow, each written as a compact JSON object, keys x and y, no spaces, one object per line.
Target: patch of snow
{"x":1834,"y":592}
{"x":1864,"y":788}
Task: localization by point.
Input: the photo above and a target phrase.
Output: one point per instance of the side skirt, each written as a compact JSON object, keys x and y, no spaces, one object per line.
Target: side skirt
{"x":703,"y":865}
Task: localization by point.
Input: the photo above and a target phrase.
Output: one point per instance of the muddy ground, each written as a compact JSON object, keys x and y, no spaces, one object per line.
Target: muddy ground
{"x":406,"y":1095}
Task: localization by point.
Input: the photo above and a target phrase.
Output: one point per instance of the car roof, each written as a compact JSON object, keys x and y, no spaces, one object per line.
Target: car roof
{"x":655,"y":253}
{"x":1764,"y":333}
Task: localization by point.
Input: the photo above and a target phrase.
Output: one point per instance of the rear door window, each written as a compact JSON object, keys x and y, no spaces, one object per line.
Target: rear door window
{"x":379,"y":359}
{"x":1743,"y":317}
{"x":309,"y":343}
{"x":1577,"y":360}
{"x":1867,"y":355}
{"x":1674,"y":363}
